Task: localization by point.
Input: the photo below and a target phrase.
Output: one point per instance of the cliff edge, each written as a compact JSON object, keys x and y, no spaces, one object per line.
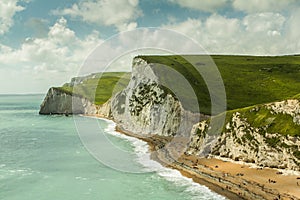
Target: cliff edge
{"x":266,"y":134}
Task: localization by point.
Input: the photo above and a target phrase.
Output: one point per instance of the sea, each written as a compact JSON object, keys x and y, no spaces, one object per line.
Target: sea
{"x":44,"y":158}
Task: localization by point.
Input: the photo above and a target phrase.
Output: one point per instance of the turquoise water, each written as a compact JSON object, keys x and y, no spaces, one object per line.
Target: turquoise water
{"x":42,"y":157}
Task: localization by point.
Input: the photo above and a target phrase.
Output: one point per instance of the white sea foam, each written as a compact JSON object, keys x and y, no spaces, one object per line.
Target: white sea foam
{"x":6,"y":172}
{"x":81,"y":178}
{"x":141,"y":149}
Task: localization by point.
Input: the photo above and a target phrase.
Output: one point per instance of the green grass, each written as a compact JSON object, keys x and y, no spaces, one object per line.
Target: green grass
{"x":278,"y":123}
{"x":297,"y":154}
{"x":297,"y":97}
{"x":248,"y":80}
{"x":273,"y":142}
{"x":99,"y":90}
{"x":259,"y":116}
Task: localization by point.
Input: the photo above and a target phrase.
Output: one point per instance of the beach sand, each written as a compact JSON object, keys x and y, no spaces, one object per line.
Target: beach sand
{"x":230,"y":179}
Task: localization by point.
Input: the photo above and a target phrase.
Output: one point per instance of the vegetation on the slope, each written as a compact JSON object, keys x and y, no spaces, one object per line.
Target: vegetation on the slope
{"x":248,"y":80}
{"x":99,"y":90}
{"x":190,"y":74}
{"x":259,"y":116}
{"x":275,"y":123}
{"x":297,"y":97}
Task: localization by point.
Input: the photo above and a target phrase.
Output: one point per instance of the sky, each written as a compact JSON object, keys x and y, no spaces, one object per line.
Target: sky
{"x":44,"y":43}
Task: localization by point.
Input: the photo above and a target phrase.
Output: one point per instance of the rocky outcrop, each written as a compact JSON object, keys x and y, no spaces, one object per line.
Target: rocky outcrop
{"x":58,"y":101}
{"x":243,"y":140}
{"x":146,"y":107}
{"x":290,"y":107}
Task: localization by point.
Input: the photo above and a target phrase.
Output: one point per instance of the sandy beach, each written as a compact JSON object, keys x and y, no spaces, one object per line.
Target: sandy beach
{"x":232,"y":180}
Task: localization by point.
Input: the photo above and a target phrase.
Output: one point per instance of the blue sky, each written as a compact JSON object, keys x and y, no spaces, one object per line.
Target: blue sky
{"x":43,"y":43}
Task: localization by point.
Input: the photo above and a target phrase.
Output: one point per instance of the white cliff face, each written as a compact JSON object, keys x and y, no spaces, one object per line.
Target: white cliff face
{"x":200,"y":143}
{"x":144,"y":107}
{"x":242,"y":141}
{"x":104,"y":110}
{"x":59,"y":102}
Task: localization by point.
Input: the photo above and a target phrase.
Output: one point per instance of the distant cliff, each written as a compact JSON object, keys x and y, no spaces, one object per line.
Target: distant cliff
{"x":58,"y":101}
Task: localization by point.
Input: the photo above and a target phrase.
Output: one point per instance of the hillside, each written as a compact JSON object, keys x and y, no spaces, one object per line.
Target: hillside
{"x":265,"y":134}
{"x":248,"y":80}
{"x":97,"y":88}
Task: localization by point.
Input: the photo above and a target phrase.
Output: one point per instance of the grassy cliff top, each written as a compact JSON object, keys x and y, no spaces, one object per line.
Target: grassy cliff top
{"x":248,"y":80}
{"x":99,"y":90}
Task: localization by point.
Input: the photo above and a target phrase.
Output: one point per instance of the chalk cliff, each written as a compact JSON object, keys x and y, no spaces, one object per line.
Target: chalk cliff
{"x":58,"y":101}
{"x":146,"y":107}
{"x":256,"y":134}
{"x":255,"y":140}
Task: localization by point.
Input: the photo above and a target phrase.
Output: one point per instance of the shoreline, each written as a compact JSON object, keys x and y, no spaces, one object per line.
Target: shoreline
{"x":153,"y":143}
{"x":231,"y":180}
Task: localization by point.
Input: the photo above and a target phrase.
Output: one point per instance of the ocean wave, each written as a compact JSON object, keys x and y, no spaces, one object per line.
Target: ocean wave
{"x":6,"y":172}
{"x":141,"y":149}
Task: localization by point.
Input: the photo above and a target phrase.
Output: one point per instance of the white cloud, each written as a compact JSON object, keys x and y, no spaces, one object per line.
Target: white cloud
{"x":48,"y":61}
{"x":215,"y":25}
{"x":264,"y":22}
{"x":61,"y":48}
{"x":127,"y":27}
{"x":257,"y":34}
{"x":8,"y":8}
{"x":191,"y":26}
{"x":54,"y":58}
{"x":214,"y":33}
{"x":118,"y":13}
{"x":60,"y":34}
{"x":222,"y":27}
{"x":255,"y":6}
{"x":293,"y":31}
{"x":203,"y":5}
